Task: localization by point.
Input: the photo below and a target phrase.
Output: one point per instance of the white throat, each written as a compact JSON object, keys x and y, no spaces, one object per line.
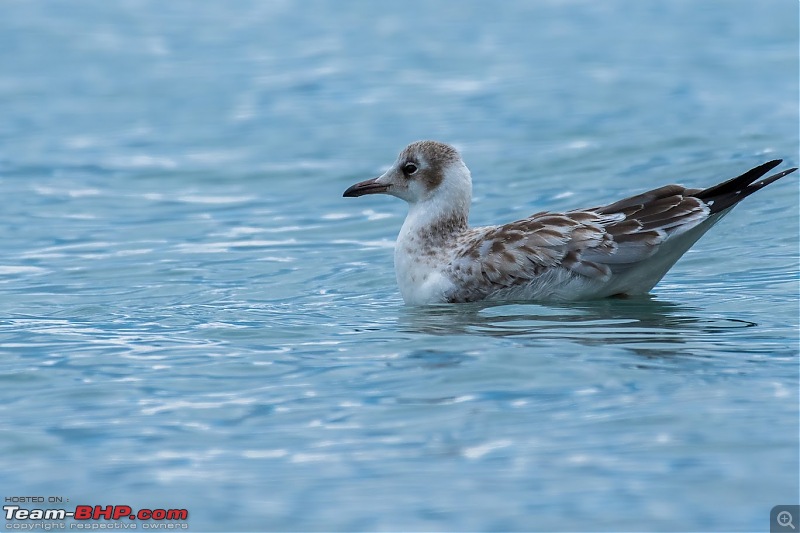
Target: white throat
{"x":428,"y":233}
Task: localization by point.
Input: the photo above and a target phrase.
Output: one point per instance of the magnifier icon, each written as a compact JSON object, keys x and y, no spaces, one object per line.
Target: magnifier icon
{"x":784,"y":519}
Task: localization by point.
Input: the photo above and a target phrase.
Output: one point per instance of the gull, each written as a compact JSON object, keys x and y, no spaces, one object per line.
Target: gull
{"x":620,"y":249}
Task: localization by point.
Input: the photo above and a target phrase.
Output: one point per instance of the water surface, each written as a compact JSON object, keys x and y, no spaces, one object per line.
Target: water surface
{"x":192,"y":317}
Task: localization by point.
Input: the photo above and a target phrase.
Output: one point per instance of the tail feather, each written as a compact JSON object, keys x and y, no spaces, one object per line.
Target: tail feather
{"x":728,"y":193}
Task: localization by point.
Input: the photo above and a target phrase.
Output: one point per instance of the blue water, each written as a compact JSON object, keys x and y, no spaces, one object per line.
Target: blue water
{"x":192,"y":317}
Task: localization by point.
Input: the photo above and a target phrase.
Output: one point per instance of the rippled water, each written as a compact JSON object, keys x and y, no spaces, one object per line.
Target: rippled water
{"x":192,"y":317}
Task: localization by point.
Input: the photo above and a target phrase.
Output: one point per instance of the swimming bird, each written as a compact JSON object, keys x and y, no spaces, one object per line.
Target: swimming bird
{"x":623,"y":248}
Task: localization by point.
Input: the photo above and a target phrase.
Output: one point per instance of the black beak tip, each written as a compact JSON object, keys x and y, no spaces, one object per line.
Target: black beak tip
{"x":365,"y":187}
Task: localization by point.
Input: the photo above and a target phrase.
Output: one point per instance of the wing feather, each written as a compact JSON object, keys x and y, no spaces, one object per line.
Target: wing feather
{"x":592,"y":243}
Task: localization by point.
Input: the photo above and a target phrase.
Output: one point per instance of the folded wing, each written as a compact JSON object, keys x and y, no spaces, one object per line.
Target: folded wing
{"x":624,"y":247}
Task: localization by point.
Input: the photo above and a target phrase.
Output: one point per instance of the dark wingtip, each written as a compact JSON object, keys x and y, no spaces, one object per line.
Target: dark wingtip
{"x":763,"y":168}
{"x":740,"y":182}
{"x":771,"y":179}
{"x":733,"y":191}
{"x":769,"y":165}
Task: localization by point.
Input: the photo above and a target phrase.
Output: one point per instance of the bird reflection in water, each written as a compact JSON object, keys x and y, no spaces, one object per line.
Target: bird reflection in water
{"x":644,"y":324}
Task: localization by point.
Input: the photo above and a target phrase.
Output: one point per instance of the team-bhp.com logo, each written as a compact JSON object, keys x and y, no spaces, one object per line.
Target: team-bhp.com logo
{"x":88,"y":517}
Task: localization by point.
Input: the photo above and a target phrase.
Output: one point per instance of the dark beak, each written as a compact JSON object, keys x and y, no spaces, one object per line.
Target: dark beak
{"x":365,"y":187}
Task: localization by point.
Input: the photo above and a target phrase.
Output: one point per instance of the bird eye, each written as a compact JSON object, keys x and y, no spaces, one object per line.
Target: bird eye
{"x":409,"y":168}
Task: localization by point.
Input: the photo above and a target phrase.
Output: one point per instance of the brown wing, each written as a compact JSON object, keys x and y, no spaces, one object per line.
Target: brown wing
{"x":599,"y":242}
{"x":594,"y":243}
